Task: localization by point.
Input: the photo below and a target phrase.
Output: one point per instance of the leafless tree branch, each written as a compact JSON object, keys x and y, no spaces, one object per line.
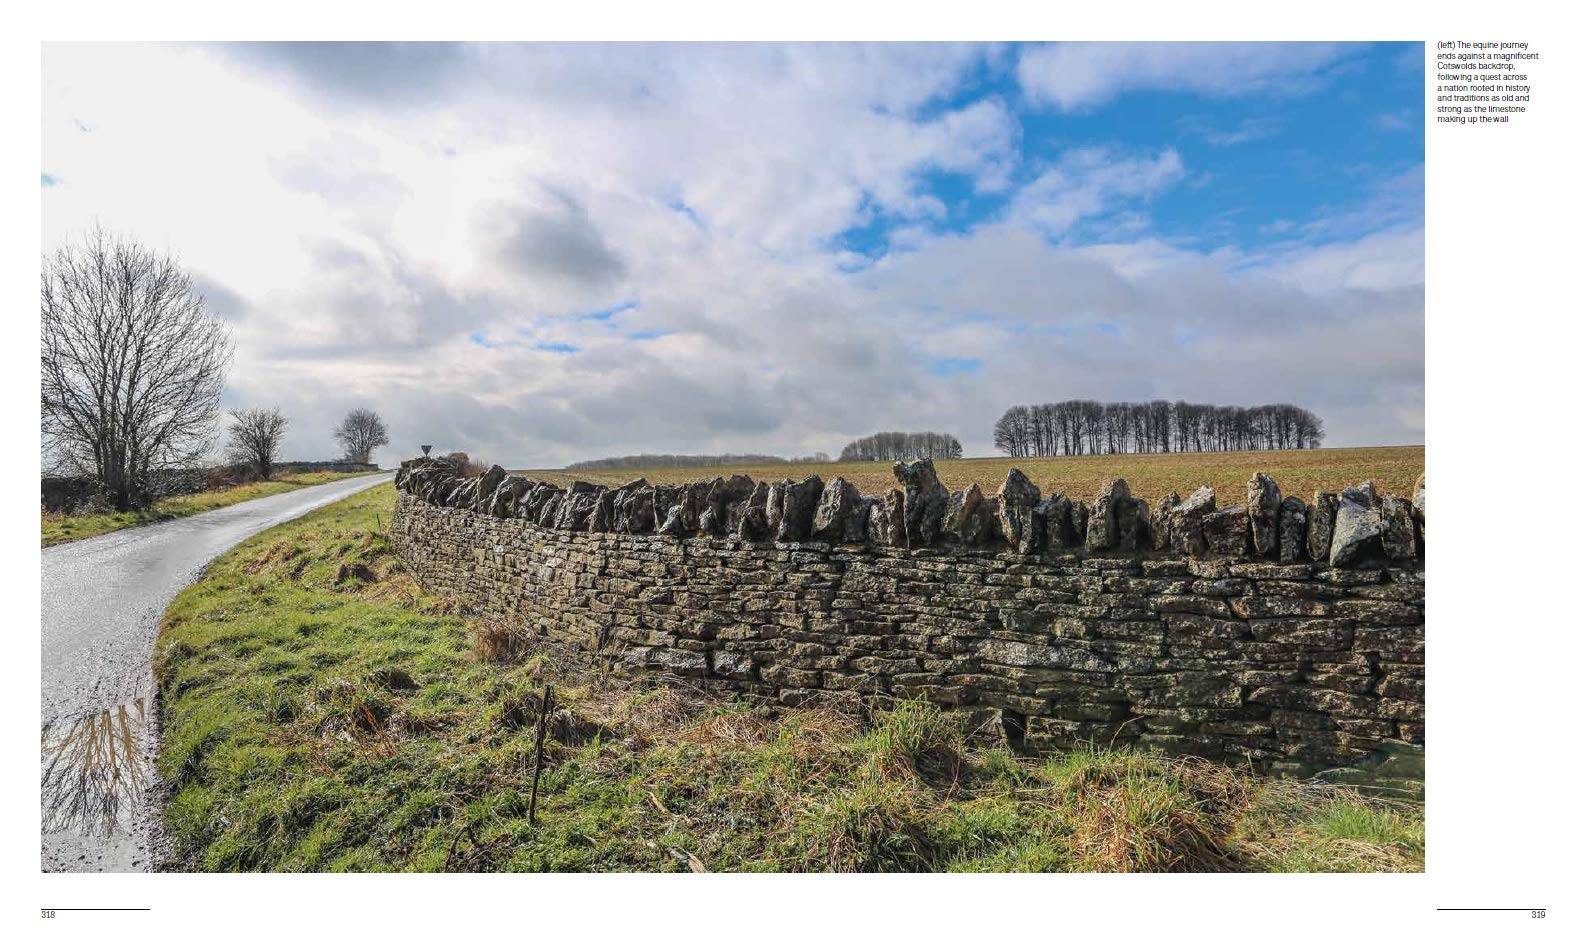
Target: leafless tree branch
{"x":256,"y":436}
{"x":132,"y":364}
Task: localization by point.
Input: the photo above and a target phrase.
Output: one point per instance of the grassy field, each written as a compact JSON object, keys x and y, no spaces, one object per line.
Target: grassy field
{"x":69,"y":528}
{"x":1299,"y":472}
{"x":323,"y":713}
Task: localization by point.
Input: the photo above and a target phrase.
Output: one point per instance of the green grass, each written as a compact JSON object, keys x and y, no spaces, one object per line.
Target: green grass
{"x":323,"y":713}
{"x":1150,"y":476}
{"x":56,"y":529}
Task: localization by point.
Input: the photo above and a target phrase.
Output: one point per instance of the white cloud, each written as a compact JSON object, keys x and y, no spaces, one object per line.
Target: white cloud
{"x":1074,"y":76}
{"x":360,"y":217}
{"x":1252,"y":129}
{"x":1087,"y":183}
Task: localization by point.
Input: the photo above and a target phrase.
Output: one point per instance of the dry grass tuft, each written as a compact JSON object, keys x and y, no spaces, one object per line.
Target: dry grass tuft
{"x":914,"y":738}
{"x":658,"y":714}
{"x":400,"y":589}
{"x":282,"y":555}
{"x":870,"y":827}
{"x":1307,"y":827}
{"x":496,"y":642}
{"x":731,"y":727}
{"x":568,"y":727}
{"x":1133,"y":813}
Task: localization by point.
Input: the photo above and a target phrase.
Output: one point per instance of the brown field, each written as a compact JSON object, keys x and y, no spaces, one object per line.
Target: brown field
{"x":1298,"y":472}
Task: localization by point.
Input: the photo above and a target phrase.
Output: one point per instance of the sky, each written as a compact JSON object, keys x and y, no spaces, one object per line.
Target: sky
{"x":540,"y":253}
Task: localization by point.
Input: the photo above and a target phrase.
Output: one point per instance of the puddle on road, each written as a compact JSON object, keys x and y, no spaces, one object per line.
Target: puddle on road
{"x":95,"y":769}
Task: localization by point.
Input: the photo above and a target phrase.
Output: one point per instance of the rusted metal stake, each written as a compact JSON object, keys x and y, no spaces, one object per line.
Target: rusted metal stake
{"x":539,"y":754}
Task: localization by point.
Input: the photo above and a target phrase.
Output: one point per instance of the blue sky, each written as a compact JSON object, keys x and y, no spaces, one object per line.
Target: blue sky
{"x":1262,"y":164}
{"x":544,"y":252}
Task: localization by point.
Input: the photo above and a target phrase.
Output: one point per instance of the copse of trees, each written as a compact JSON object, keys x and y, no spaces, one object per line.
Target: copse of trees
{"x":132,"y":364}
{"x":901,"y":447}
{"x":1088,"y":427}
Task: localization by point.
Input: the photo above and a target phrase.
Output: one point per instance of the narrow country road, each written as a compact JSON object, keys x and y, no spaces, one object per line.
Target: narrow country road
{"x":102,"y":602}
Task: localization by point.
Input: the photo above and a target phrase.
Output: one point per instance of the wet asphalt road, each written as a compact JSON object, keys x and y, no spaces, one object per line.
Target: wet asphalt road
{"x":102,"y":602}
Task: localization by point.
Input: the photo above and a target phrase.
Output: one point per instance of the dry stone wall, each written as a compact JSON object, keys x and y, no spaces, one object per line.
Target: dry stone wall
{"x":1272,"y":630}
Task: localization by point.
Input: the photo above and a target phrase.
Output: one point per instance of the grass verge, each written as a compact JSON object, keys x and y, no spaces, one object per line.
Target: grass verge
{"x":323,"y":713}
{"x":56,"y":529}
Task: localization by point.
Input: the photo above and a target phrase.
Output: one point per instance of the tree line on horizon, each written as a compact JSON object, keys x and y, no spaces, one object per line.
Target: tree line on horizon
{"x":901,"y":447}
{"x":657,"y":460}
{"x":1068,"y":428}
{"x":878,"y":447}
{"x":1090,"y":427}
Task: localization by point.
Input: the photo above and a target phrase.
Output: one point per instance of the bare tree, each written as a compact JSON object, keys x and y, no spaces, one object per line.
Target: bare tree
{"x":132,"y":364}
{"x":360,"y":434}
{"x":256,"y":436}
{"x":1017,"y":433}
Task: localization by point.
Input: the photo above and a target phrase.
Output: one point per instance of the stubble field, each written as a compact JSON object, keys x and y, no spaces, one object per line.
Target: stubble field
{"x":1150,"y":476}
